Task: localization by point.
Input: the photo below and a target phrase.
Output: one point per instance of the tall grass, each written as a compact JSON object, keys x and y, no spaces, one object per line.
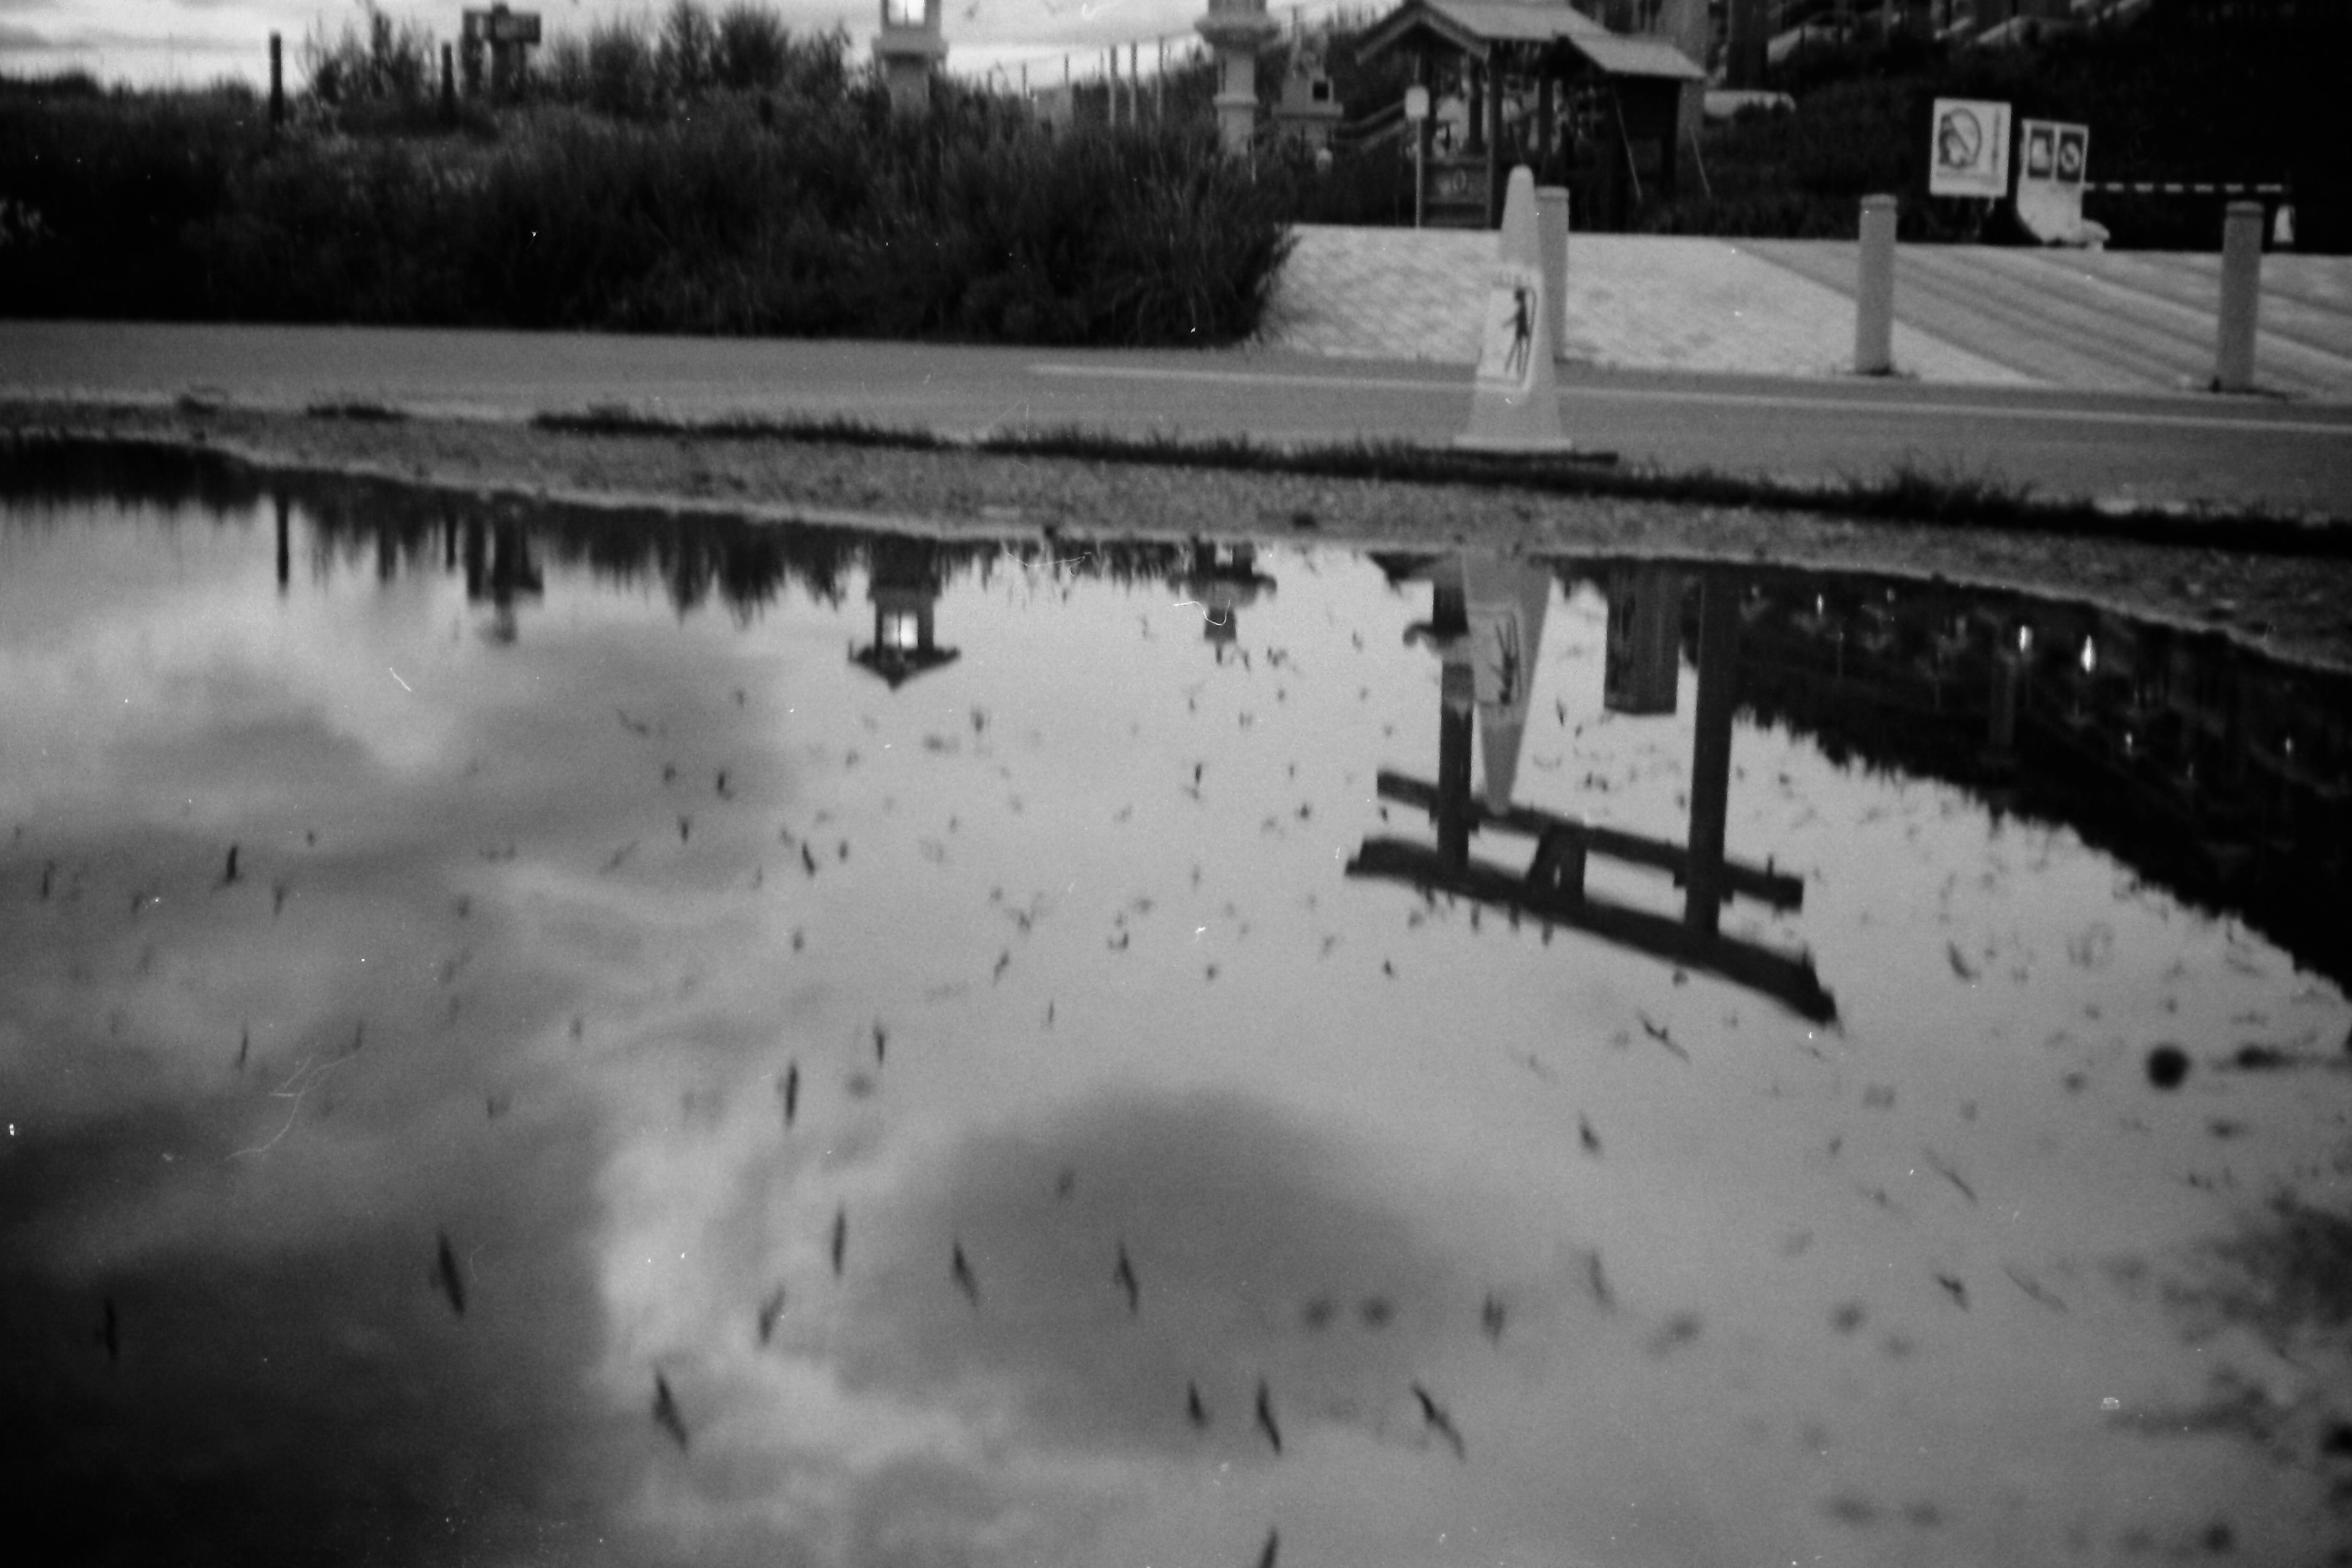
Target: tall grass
{"x":716,"y":173}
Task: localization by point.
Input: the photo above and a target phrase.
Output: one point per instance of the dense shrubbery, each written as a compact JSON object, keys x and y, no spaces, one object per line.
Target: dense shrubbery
{"x":720,"y":176}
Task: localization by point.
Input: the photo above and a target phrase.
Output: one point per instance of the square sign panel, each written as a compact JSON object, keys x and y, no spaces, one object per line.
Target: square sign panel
{"x":1967,"y":149}
{"x":2054,"y":154}
{"x":2074,"y":152}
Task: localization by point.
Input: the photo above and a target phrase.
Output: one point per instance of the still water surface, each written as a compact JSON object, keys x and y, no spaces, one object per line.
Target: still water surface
{"x":533,"y":1038}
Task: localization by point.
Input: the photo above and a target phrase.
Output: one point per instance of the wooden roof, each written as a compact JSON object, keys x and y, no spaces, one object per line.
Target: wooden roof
{"x":1476,"y":27}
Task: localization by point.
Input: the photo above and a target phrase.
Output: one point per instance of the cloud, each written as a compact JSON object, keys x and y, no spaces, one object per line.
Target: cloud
{"x":1260,"y":1250}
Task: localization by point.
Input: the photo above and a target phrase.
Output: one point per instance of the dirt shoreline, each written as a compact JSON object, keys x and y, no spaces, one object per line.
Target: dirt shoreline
{"x":2294,"y":608}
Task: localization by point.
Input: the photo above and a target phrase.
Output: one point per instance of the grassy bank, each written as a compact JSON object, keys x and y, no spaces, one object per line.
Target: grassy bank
{"x":748,"y":183}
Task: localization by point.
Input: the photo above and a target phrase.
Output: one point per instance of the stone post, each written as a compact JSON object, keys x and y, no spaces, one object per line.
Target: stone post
{"x":1551,"y":229}
{"x":2242,"y":297}
{"x":1874,"y":305}
{"x":1235,"y":29}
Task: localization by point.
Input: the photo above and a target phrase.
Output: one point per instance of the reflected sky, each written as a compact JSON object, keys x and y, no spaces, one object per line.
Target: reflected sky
{"x":529,"y":1047}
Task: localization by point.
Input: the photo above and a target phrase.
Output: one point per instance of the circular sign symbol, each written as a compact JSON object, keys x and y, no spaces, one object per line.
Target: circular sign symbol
{"x":2070,"y":159}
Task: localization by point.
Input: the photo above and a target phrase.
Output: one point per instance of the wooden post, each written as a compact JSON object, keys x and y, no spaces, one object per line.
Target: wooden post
{"x":1497,"y":170}
{"x":1718,"y":663}
{"x":277,"y":81}
{"x":1474,"y":89}
{"x":284,"y":547}
{"x":1455,"y":707}
{"x":448,"y":85}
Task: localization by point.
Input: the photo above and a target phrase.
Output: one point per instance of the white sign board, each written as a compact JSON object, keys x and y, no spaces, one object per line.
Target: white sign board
{"x":1416,"y":104}
{"x":1513,"y":317}
{"x":2053,"y":159}
{"x":1967,"y":149}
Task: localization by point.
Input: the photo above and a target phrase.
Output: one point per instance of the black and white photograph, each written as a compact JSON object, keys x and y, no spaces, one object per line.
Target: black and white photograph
{"x":1176,"y":783}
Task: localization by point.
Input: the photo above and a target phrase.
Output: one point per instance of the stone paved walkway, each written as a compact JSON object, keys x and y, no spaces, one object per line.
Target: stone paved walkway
{"x":1977,"y":315}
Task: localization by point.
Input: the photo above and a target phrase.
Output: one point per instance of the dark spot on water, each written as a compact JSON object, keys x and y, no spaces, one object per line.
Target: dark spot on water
{"x":1848,"y":1509}
{"x":1847,"y":1317}
{"x":1318,"y":1313}
{"x":1678,"y":1330}
{"x":2167,"y":1067}
{"x":1376,"y":1312}
{"x":2219,"y":1537}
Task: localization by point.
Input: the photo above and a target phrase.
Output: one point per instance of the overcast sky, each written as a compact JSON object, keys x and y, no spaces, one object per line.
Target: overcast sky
{"x":194,"y":41}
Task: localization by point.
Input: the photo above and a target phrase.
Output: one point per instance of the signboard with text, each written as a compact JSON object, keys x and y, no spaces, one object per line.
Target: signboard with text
{"x":1967,"y":149}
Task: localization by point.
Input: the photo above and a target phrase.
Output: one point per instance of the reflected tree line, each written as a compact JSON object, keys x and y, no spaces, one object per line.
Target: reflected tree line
{"x":2217,"y":774}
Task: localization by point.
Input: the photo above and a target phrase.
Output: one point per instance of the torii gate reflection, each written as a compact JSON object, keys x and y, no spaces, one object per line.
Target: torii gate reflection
{"x":1486,"y":626}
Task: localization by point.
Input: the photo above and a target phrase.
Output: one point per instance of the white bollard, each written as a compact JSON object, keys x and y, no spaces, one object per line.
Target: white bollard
{"x":1873,"y":304}
{"x":2242,"y":297}
{"x":1551,"y":230}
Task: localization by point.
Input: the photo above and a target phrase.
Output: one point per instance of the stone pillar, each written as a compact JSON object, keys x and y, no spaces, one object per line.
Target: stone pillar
{"x":2242,"y":297}
{"x":908,"y":49}
{"x":1235,"y":29}
{"x":1874,"y":307}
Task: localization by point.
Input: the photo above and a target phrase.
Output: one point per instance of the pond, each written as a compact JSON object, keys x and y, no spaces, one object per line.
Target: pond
{"x":539,"y":1036}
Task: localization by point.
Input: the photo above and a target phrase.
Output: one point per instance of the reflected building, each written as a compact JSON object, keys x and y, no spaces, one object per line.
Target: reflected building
{"x":1222,"y":580}
{"x":904,"y":580}
{"x":1485,"y":628}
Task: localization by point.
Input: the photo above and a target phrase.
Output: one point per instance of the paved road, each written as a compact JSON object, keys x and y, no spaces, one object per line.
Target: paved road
{"x":2144,"y":446}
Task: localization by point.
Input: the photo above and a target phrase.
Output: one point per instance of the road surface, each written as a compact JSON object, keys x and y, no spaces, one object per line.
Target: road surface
{"x":2140,"y":446}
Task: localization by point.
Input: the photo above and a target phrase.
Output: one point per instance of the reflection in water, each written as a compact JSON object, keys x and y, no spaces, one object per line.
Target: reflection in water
{"x":651,"y":1092}
{"x":1222,"y":580}
{"x":902,"y":581}
{"x":1487,"y":628}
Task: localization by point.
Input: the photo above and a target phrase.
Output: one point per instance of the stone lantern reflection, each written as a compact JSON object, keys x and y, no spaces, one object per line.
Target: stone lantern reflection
{"x":903,"y":584}
{"x":1221,"y":584}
